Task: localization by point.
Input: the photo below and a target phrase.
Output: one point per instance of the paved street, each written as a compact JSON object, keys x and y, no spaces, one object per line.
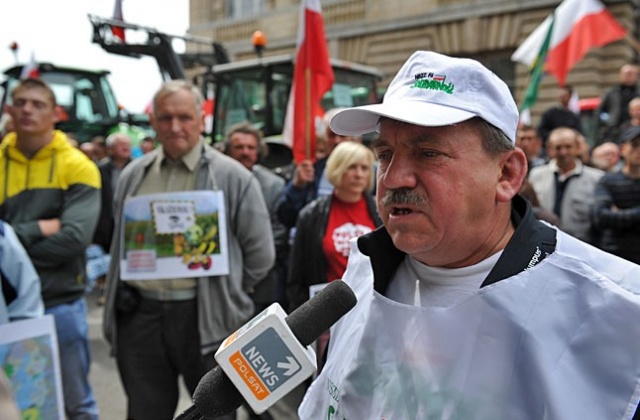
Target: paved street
{"x":104,"y":375}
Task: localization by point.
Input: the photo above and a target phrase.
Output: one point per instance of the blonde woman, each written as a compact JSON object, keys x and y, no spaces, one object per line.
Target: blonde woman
{"x":326,"y":225}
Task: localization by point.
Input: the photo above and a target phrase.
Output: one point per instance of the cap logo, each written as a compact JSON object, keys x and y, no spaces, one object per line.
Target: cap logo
{"x":432,"y":81}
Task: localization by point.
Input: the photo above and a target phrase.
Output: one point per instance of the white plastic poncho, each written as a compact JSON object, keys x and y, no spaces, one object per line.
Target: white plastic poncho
{"x":558,"y":341}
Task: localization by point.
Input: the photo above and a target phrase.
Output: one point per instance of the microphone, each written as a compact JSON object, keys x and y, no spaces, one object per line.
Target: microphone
{"x":216,"y":394}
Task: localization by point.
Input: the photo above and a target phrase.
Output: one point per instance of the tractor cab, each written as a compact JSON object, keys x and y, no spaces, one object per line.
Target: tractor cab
{"x":257,"y":91}
{"x":88,"y":105}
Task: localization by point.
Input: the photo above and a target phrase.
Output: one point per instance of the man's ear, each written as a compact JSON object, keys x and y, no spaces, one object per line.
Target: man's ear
{"x":60,"y":114}
{"x":152,"y":121}
{"x":514,"y":171}
{"x":203,"y":117}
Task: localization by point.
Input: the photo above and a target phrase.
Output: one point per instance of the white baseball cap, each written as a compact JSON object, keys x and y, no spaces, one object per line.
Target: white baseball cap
{"x":435,"y":90}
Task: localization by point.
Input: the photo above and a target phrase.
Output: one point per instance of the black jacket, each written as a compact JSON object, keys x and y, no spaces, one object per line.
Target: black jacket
{"x":557,"y":117}
{"x":294,"y":199}
{"x":308,"y":265}
{"x":104,"y":230}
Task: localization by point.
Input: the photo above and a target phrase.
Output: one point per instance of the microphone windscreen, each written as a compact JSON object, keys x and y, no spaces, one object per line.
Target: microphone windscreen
{"x":319,"y":313}
{"x":216,"y":395}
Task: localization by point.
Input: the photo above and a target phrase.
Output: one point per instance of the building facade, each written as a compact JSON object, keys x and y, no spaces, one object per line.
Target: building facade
{"x":382,"y":34}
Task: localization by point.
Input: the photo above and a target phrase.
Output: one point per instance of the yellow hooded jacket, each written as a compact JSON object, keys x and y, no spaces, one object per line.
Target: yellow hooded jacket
{"x":59,"y":181}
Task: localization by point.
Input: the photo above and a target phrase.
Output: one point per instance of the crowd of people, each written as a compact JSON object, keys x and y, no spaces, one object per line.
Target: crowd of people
{"x":571,"y":184}
{"x":494,"y":262}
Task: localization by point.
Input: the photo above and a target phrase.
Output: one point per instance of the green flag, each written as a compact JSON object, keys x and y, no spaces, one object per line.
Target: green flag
{"x":537,"y":70}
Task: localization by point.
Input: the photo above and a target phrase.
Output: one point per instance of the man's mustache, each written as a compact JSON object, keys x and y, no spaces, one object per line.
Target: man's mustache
{"x":402,"y":196}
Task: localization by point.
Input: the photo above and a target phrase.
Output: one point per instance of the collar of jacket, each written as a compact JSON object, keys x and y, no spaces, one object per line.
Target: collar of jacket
{"x":577,"y":170}
{"x":110,"y":164}
{"x":531,"y":243}
{"x":148,"y":159}
{"x":57,"y":143}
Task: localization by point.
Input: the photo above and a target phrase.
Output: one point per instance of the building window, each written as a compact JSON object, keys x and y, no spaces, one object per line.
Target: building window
{"x":236,"y":9}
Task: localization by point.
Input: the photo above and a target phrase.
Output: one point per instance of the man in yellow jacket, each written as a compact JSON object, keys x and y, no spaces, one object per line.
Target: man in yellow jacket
{"x":50,"y":195}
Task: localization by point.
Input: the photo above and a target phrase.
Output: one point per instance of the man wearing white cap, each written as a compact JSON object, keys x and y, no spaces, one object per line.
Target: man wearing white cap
{"x":468,"y":307}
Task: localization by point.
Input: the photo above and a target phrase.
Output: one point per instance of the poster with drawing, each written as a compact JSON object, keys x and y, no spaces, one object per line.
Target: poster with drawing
{"x":30,"y":360}
{"x":174,"y":235}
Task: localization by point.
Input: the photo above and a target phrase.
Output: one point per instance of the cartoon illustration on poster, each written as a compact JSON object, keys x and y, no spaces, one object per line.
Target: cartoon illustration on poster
{"x":174,"y":235}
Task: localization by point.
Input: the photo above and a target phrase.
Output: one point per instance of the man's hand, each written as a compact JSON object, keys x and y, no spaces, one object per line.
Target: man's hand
{"x":304,"y":174}
{"x":49,"y":227}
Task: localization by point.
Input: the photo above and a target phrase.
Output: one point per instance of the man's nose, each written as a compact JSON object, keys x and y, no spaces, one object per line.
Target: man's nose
{"x":175,"y":124}
{"x":400,"y":173}
{"x":27,"y":106}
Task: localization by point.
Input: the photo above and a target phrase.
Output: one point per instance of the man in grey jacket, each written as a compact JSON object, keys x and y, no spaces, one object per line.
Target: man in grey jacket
{"x":244,"y":143}
{"x":161,"y":329}
{"x":565,"y":186}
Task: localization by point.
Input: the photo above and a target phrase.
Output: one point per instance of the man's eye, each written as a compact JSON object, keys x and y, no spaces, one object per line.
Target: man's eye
{"x":429,"y":153}
{"x":383,"y":156}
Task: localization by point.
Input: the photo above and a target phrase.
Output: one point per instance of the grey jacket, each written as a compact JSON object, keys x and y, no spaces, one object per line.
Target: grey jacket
{"x":223,"y":304}
{"x":269,"y":290}
{"x":272,"y":189}
{"x":577,"y":202}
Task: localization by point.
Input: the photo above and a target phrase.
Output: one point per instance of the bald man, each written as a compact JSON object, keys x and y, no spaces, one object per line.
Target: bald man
{"x":565,"y":186}
{"x":613,"y":109}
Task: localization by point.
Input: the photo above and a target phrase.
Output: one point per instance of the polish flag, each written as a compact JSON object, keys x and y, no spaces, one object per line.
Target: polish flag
{"x":30,"y":70}
{"x":118,"y":31}
{"x":312,"y":78}
{"x":580,"y":25}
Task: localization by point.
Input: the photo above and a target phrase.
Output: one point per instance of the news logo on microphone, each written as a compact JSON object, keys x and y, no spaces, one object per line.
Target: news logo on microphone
{"x":264,"y":360}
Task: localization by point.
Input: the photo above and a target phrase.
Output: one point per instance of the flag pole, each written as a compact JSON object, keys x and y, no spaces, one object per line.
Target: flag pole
{"x":537,"y":71}
{"x":633,"y":41}
{"x":307,"y":107}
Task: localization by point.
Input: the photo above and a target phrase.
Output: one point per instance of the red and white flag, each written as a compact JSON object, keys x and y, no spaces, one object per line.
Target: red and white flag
{"x":30,"y":70}
{"x":118,"y":31}
{"x":312,"y":78}
{"x":580,"y":25}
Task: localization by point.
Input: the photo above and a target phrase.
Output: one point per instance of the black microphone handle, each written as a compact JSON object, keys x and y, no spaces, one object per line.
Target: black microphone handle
{"x":190,"y":413}
{"x":216,"y":383}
